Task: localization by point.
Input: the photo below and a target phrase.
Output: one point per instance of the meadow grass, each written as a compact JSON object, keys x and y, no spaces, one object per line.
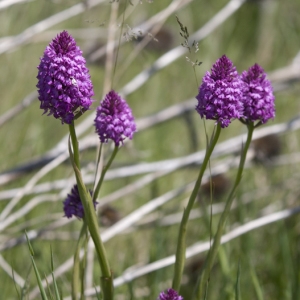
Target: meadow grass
{"x":266,"y":32}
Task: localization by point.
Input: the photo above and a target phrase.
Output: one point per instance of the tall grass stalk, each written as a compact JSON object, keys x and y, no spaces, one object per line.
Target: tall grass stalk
{"x":181,"y":245}
{"x":76,"y":268}
{"x":217,"y":239}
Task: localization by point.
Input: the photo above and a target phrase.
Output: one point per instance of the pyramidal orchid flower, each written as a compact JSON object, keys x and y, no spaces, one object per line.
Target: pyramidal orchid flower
{"x":258,"y":95}
{"x":220,"y":93}
{"x":170,"y":295}
{"x":114,"y":119}
{"x":64,"y":85}
{"x":73,"y":205}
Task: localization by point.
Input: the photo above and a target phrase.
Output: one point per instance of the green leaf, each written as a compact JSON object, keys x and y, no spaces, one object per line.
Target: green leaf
{"x":255,"y":282}
{"x":17,"y":290}
{"x":237,"y":285}
{"x":38,"y":277}
{"x":54,"y":281}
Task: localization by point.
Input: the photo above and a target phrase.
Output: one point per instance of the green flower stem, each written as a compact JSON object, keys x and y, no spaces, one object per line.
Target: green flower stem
{"x":83,"y":265}
{"x":106,"y":281}
{"x":106,"y":167}
{"x":217,"y":239}
{"x":97,"y":167}
{"x":75,"y":145}
{"x":180,"y":252}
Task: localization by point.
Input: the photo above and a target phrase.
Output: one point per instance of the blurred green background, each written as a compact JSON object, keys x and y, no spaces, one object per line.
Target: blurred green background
{"x":265,"y":32}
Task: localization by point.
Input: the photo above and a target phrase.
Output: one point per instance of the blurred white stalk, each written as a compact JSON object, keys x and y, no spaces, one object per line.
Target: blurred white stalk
{"x":9,"y":271}
{"x":199,"y":247}
{"x":6,"y":3}
{"x":41,"y":26}
{"x":31,"y":183}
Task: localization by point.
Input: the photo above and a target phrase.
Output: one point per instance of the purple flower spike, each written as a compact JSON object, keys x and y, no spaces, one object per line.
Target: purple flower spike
{"x":258,"y":95}
{"x":114,"y":119}
{"x":73,"y":205}
{"x":220,"y":93}
{"x":170,"y":295}
{"x":64,"y":83}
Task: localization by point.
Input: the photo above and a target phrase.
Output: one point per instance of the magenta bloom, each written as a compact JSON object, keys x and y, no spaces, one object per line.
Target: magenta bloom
{"x":220,"y":93}
{"x":170,"y":295}
{"x":64,"y":83}
{"x":258,"y":95}
{"x":73,"y":205}
{"x":114,"y":119}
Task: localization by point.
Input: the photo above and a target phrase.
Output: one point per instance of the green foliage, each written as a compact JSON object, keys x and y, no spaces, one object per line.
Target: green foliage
{"x":37,"y":274}
{"x":266,"y":32}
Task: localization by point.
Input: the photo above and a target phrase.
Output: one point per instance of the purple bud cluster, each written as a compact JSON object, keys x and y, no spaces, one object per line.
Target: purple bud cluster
{"x":73,"y":205}
{"x":258,"y":95}
{"x":114,"y":119}
{"x":170,"y":295}
{"x":64,"y":83}
{"x":224,"y":95}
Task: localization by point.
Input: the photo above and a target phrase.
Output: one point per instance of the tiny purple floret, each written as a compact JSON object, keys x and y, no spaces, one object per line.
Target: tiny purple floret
{"x":170,"y":295}
{"x":73,"y":205}
{"x":64,"y":83}
{"x":258,"y":95}
{"x":220,"y":93}
{"x":114,"y":119}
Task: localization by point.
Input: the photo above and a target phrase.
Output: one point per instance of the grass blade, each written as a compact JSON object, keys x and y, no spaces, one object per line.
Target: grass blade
{"x":38,"y":277}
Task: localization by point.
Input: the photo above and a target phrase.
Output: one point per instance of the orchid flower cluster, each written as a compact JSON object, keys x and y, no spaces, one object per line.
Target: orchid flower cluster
{"x":65,"y":91}
{"x":224,"y":95}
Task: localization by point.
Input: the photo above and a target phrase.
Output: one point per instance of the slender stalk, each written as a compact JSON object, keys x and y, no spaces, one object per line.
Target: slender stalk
{"x":76,"y":267}
{"x":83,"y":268}
{"x":106,"y":281}
{"x":104,"y":170}
{"x":108,"y":78}
{"x":74,"y":145}
{"x":217,"y":239}
{"x":180,"y":252}
{"x":119,"y":43}
{"x":97,"y":167}
{"x":196,"y":76}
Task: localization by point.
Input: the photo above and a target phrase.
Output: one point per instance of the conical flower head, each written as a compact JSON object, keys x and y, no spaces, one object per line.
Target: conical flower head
{"x":258,"y":95}
{"x":64,"y":83}
{"x":170,"y":295}
{"x":114,"y":119}
{"x":73,"y":205}
{"x":220,"y":93}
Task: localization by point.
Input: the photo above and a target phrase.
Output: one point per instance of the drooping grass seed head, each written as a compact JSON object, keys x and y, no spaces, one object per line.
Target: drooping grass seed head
{"x":161,"y":41}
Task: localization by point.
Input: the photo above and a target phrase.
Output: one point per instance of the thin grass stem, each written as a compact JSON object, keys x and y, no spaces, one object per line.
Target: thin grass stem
{"x":216,"y":243}
{"x":181,"y":247}
{"x":97,"y":190}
